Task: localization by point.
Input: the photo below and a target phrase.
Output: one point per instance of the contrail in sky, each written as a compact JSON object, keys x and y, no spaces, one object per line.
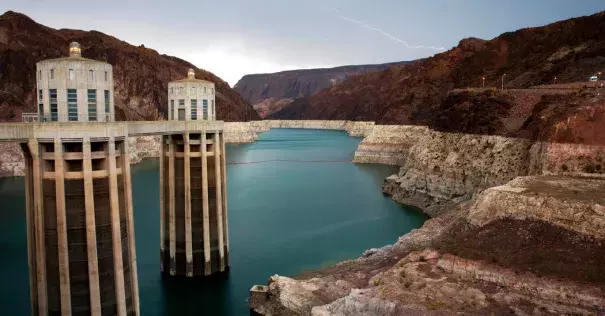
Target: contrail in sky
{"x":369,"y":27}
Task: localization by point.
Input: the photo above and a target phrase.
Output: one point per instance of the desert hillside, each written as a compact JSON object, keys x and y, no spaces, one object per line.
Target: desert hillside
{"x":269,"y":93}
{"x":416,"y":93}
{"x":141,"y":74}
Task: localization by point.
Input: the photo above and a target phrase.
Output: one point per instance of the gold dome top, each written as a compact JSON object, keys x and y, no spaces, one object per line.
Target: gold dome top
{"x":75,"y":50}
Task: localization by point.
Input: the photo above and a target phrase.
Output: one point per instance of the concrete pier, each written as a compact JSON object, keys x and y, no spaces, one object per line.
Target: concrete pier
{"x":80,"y":230}
{"x":192,"y":177}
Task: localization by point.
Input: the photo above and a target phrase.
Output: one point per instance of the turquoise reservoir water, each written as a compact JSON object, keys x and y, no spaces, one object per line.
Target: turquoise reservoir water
{"x":290,"y":210}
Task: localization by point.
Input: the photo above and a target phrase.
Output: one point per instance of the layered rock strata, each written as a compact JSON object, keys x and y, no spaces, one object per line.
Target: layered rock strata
{"x":389,"y":144}
{"x":505,"y":253}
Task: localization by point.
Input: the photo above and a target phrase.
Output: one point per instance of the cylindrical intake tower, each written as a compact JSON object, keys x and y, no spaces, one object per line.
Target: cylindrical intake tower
{"x":80,"y":228}
{"x":193,"y":223}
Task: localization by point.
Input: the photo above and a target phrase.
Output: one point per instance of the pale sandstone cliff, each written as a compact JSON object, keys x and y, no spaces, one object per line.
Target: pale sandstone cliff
{"x":503,"y":254}
{"x":389,"y":144}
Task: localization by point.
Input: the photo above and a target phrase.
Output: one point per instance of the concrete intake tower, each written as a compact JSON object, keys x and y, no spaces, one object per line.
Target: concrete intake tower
{"x":79,"y":208}
{"x":193,"y":205}
{"x":80,"y":227}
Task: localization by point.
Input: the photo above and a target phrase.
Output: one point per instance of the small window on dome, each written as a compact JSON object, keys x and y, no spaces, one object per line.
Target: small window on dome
{"x":71,"y":74}
{"x":91,"y":75}
{"x":106,"y":76}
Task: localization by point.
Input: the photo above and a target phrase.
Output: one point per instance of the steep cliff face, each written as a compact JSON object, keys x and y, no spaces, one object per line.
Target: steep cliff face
{"x":141,"y":75}
{"x":269,"y":93}
{"x":571,"y":50}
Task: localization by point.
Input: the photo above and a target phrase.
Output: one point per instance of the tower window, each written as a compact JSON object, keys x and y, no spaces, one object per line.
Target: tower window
{"x":107,"y":103}
{"x":40,"y":105}
{"x":91,"y":75}
{"x":52,"y":74}
{"x":181,"y":103}
{"x":212,"y":110}
{"x":212,"y":90}
{"x":205,"y":90}
{"x":39,"y":75}
{"x":54,"y":112}
{"x":181,"y":90}
{"x":72,"y":105}
{"x":171,"y":90}
{"x":205,"y":109}
{"x":106,"y":76}
{"x":193,"y":91}
{"x":194,"y":109}
{"x":92,"y":105}
{"x":171,"y":110}
{"x":71,"y":74}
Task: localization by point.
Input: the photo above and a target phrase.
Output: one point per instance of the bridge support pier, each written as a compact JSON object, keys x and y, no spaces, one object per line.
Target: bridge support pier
{"x":193,"y":210}
{"x":79,"y":224}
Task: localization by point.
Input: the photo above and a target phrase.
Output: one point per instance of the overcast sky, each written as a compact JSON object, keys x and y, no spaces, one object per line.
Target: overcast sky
{"x":232,"y":38}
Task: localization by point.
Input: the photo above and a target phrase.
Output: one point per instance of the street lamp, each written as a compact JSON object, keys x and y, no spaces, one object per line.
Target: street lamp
{"x":503,"y":81}
{"x":484,"y":82}
{"x":555,"y":80}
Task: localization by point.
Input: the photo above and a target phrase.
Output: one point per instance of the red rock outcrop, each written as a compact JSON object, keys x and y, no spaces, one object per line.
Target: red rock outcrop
{"x":416,"y":93}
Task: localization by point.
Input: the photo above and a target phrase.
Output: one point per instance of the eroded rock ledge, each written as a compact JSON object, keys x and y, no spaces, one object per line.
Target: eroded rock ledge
{"x":504,"y":253}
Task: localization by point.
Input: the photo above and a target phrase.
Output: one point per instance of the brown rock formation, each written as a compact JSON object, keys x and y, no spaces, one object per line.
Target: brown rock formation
{"x":141,"y":74}
{"x":531,"y":247}
{"x":571,"y":50}
{"x":269,"y":93}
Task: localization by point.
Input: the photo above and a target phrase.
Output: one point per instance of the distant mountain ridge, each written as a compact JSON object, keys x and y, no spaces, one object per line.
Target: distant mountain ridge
{"x":272,"y":91}
{"x":141,"y":75}
{"x":416,"y":93}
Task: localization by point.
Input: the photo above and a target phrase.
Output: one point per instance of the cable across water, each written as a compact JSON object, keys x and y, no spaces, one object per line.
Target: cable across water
{"x":284,"y":160}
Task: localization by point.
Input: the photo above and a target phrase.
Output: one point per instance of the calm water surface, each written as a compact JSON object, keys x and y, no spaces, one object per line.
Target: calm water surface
{"x":285,"y":217}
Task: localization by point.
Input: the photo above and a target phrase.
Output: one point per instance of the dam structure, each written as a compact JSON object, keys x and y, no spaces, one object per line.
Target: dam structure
{"x":79,"y":208}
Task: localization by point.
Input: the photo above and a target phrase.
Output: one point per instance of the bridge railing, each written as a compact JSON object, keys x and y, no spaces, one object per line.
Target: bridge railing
{"x":44,"y":118}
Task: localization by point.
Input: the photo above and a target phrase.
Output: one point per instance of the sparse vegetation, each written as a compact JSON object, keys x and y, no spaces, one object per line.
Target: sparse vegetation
{"x":433,"y":304}
{"x":564,"y":168}
{"x":422,"y":259}
{"x":375,"y":282}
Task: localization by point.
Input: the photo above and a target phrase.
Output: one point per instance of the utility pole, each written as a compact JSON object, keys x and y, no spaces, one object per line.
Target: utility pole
{"x":503,"y":81}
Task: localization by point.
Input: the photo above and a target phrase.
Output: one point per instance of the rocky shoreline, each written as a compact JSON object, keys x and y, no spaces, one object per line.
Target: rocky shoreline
{"x":503,"y":253}
{"x":516,"y":228}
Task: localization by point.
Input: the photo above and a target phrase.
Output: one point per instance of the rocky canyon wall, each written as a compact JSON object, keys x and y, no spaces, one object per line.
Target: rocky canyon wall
{"x":444,"y":169}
